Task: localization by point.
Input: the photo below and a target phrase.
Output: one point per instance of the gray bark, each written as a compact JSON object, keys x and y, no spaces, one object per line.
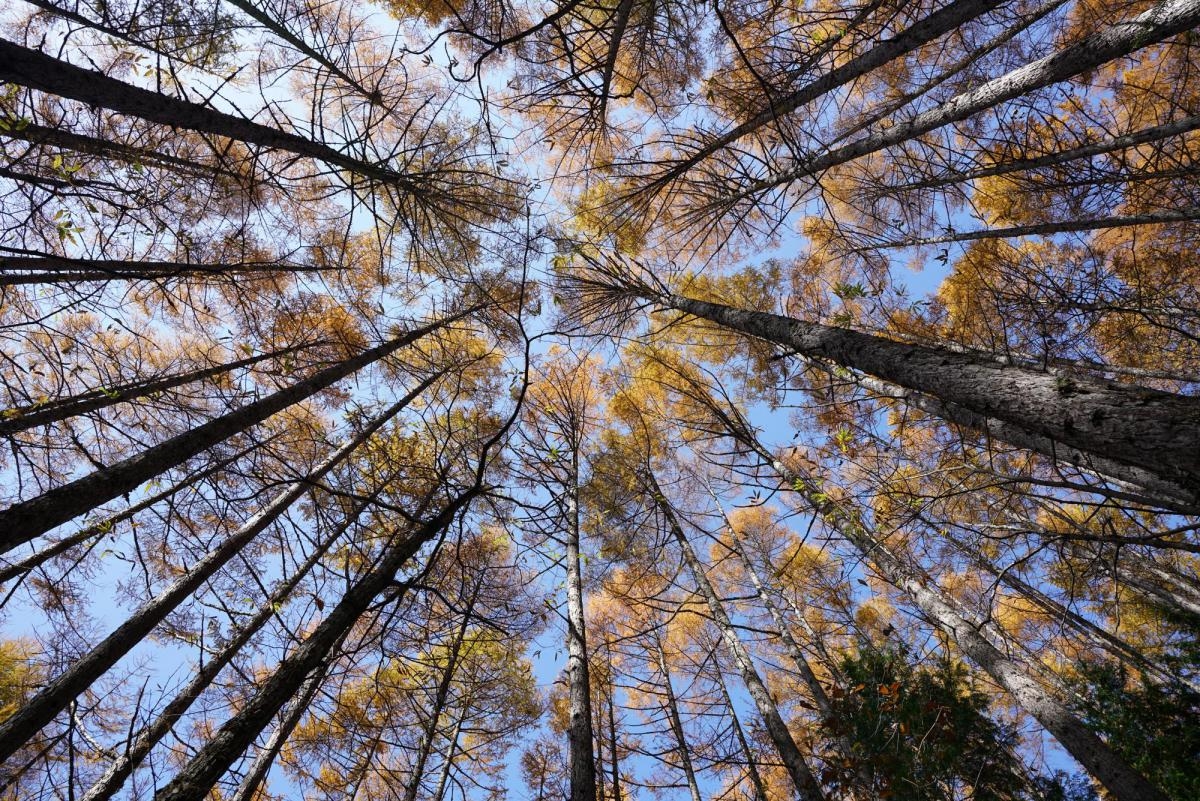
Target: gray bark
{"x":579,"y":733}
{"x":59,"y":693}
{"x":16,"y":270}
{"x":1153,"y":431}
{"x":133,"y":754}
{"x":760,"y":791}
{"x":1167,"y":216}
{"x":1143,"y":136}
{"x":797,"y":767}
{"x":26,"y":520}
{"x":257,"y":773}
{"x":940,"y":22}
{"x":1132,"y":483}
{"x":682,"y":750}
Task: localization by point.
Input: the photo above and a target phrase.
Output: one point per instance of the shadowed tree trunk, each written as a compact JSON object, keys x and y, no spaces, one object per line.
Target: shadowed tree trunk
{"x":1153,"y":431}
{"x":45,"y":413}
{"x":25,"y":520}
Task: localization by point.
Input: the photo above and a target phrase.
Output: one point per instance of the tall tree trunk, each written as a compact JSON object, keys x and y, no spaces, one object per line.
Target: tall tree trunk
{"x":1157,"y":432}
{"x":760,"y":790}
{"x":439,"y":792}
{"x":1094,"y":754}
{"x":21,"y":419}
{"x":36,"y":70}
{"x":682,"y":750}
{"x":16,"y":270}
{"x":612,"y":728}
{"x":802,"y":777}
{"x":429,"y":735}
{"x":266,"y":756}
{"x":1082,"y":627}
{"x":106,"y":148}
{"x":55,"y":696}
{"x":1160,"y":217}
{"x":940,"y":22}
{"x":580,"y":736}
{"x":25,"y":520}
{"x":1152,"y":133}
{"x":1132,"y":483}
{"x":216,"y":756}
{"x":1163,"y":21}
{"x":108,"y":524}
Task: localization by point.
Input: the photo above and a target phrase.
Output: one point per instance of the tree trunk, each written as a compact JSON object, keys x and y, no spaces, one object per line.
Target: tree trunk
{"x":16,"y":420}
{"x":1133,"y":484}
{"x":109,"y":523}
{"x":261,"y":766}
{"x":439,"y":792}
{"x":1083,"y":627}
{"x":1122,"y":142}
{"x":685,"y":757}
{"x":940,"y":22}
{"x":579,"y":732}
{"x":1164,"y":20}
{"x":760,"y":791}
{"x":55,"y":696}
{"x":1157,"y":432}
{"x":15,"y":270}
{"x":806,"y":784}
{"x":440,"y":696}
{"x":25,"y":520}
{"x":44,"y":73}
{"x":129,"y":154}
{"x":200,"y":774}
{"x":1161,"y":217}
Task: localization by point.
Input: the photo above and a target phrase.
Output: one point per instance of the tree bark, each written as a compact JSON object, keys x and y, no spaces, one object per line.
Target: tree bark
{"x":133,"y":754}
{"x":109,"y":523}
{"x":1132,"y":483}
{"x":760,"y":791}
{"x":1122,"y":142}
{"x":1153,"y":431}
{"x":412,"y":788}
{"x":59,"y":693}
{"x":26,"y":520}
{"x":261,"y":766}
{"x":802,"y":777}
{"x":1161,"y":217}
{"x":685,"y":757}
{"x":579,"y":732}
{"x":17,"y":270}
{"x":937,"y":24}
